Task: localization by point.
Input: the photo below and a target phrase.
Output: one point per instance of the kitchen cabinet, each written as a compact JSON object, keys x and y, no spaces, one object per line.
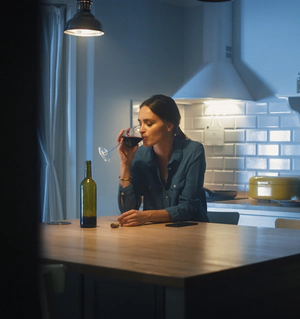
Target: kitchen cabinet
{"x":255,"y":213}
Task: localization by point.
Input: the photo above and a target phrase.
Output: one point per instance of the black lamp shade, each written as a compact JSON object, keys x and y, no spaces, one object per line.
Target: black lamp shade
{"x":84,"y":24}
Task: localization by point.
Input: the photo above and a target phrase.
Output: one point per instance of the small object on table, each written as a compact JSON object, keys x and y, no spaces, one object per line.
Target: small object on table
{"x":114,"y":225}
{"x":181,"y":224}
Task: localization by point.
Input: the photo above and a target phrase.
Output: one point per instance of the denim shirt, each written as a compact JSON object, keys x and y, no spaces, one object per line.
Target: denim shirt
{"x":182,"y":194}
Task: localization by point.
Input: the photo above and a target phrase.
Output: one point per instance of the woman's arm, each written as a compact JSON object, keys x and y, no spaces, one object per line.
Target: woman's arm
{"x":127,"y":199}
{"x":136,"y":217}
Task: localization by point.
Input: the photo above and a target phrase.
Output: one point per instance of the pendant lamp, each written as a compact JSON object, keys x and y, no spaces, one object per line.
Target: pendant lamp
{"x":84,"y":24}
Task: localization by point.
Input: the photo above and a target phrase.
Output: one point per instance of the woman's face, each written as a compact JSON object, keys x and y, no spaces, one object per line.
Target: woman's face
{"x":153,"y":130}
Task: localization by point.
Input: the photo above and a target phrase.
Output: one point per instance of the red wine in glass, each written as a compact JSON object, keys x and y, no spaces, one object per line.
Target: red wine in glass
{"x":131,"y":141}
{"x":131,"y":138}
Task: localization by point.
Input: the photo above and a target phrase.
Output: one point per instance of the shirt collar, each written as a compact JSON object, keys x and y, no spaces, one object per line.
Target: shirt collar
{"x":176,"y":154}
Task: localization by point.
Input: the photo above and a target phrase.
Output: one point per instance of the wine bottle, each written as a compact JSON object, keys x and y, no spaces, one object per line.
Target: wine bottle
{"x":88,"y":199}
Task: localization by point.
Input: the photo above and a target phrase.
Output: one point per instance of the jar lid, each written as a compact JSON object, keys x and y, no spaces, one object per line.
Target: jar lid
{"x":282,"y":180}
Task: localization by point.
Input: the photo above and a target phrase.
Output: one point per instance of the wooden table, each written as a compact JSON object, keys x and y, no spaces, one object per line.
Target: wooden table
{"x":196,"y":270}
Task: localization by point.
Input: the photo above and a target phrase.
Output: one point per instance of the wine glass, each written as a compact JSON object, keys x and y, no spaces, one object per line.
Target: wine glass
{"x":131,"y":138}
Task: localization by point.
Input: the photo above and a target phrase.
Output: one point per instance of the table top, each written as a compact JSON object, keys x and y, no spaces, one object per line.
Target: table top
{"x":169,"y":256}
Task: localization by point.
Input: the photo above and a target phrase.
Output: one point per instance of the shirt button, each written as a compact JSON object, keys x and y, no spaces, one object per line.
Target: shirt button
{"x":122,"y":193}
{"x":167,"y":196}
{"x":169,"y":168}
{"x":174,"y":186}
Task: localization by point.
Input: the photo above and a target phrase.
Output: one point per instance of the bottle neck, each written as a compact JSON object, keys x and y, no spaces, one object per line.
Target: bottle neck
{"x":88,"y":169}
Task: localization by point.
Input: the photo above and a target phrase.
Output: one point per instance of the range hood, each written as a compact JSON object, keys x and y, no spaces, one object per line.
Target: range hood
{"x":217,"y":78}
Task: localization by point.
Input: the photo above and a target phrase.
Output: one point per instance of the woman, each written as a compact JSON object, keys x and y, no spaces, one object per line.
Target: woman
{"x":167,"y":171}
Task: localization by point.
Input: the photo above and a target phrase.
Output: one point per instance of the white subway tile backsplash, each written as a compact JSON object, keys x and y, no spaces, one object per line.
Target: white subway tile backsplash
{"x":209,"y":150}
{"x":245,"y":149}
{"x":259,"y":139}
{"x":235,"y":187}
{"x":279,"y":107}
{"x":194,"y":110}
{"x":188,"y":123}
{"x":214,"y":162}
{"x":256,"y":108}
{"x":296,"y":165}
{"x":234,"y":163}
{"x":268,"y":149}
{"x":290,"y":150}
{"x":296,"y":135}
{"x":228,"y":108}
{"x":228,"y":122}
{"x":227,"y":149}
{"x":245,"y":122}
{"x":222,"y":121}
{"x":290,"y":121}
{"x":280,"y":136}
{"x":279,"y":164}
{"x":201,"y":122}
{"x":224,"y":176}
{"x":256,"y":135}
{"x":242,"y":177}
{"x":209,"y":176}
{"x":256,"y":163}
{"x":268,"y":121}
{"x":211,"y":185}
{"x":234,"y":136}
{"x":195,"y":135}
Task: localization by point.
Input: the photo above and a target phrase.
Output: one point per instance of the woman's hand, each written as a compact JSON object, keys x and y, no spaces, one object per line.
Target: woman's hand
{"x":133,"y":218}
{"x":126,"y":153}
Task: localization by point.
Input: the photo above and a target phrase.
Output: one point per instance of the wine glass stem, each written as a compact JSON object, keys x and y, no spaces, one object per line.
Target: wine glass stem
{"x":111,"y":149}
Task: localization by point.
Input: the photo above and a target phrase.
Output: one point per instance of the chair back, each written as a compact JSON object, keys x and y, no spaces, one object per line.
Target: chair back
{"x":287,"y":223}
{"x":224,"y":217}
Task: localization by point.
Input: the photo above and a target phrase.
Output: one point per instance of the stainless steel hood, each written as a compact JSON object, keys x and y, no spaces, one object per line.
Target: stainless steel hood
{"x":217,"y":78}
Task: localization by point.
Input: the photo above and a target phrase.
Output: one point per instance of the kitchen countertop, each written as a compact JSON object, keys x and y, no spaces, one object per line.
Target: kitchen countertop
{"x":244,"y":202}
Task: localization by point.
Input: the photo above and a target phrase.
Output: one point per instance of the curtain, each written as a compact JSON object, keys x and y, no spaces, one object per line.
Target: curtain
{"x":51,"y":111}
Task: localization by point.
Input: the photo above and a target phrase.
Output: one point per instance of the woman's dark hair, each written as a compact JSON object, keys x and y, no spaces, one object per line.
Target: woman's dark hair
{"x":166,"y":109}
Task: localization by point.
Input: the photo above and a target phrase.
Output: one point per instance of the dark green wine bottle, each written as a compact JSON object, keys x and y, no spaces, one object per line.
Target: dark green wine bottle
{"x":88,"y":199}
